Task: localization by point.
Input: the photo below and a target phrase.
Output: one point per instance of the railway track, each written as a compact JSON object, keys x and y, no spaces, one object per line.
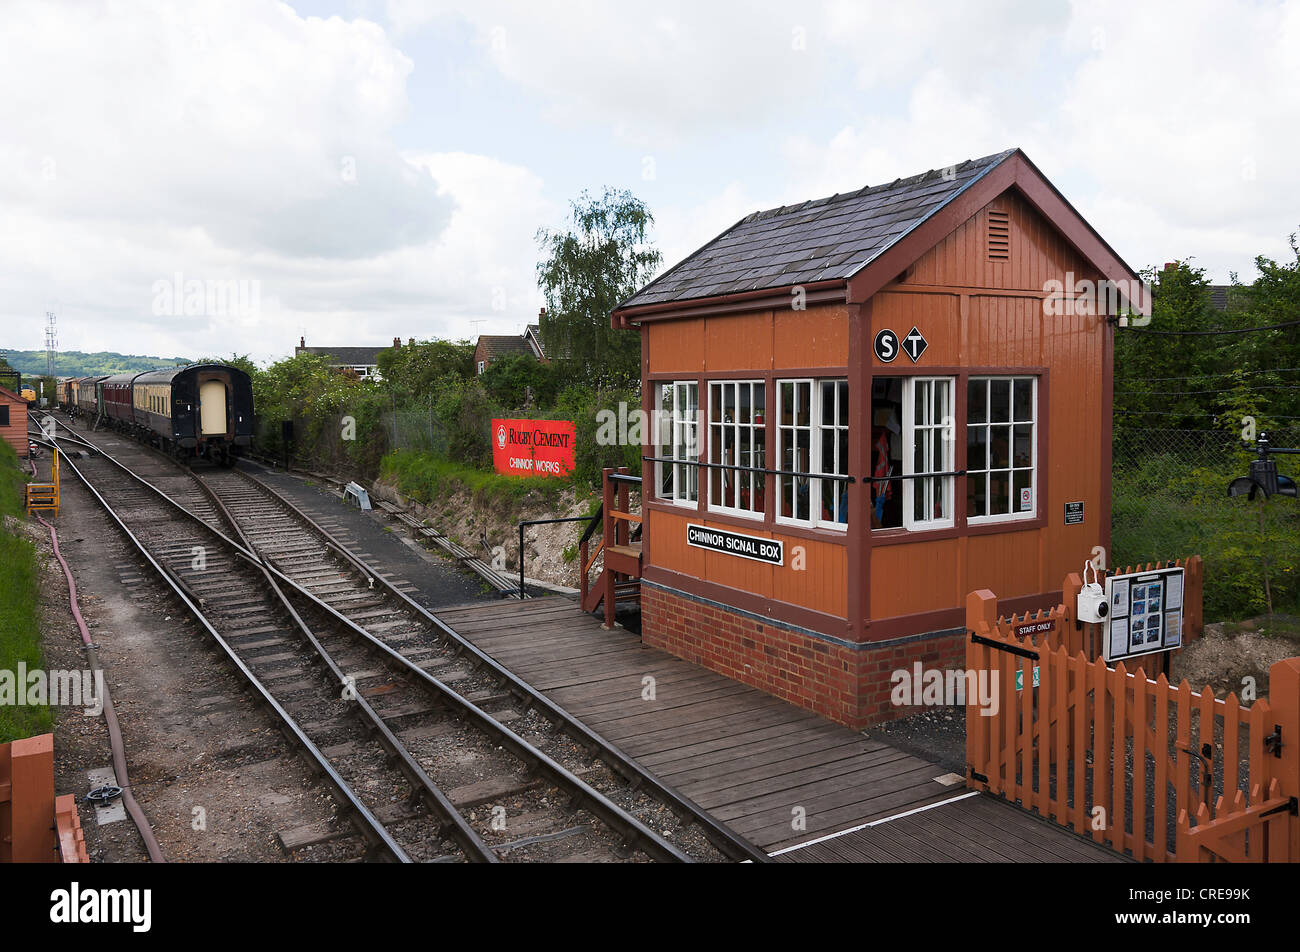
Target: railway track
{"x":436,"y":752}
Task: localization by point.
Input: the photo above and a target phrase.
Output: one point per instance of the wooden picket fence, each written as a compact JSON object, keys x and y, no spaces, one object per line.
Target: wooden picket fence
{"x":1157,"y":771}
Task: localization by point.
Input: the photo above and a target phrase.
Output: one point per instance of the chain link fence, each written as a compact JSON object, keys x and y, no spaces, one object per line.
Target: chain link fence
{"x":1170,"y":499}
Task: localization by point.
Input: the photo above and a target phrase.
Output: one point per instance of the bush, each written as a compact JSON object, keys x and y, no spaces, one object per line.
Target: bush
{"x":424,"y":477}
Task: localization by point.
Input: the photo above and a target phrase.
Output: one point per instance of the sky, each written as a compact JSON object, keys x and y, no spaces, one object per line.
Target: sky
{"x":210,"y":177}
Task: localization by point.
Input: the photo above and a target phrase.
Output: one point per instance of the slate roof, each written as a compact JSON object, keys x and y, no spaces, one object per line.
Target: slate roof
{"x":495,"y":345}
{"x":1219,"y":296}
{"x":347,"y":356}
{"x":818,"y":240}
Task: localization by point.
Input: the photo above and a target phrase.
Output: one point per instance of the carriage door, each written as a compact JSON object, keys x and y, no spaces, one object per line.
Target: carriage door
{"x":212,"y":408}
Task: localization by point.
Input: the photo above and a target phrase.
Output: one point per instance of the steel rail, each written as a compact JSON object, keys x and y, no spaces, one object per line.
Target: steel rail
{"x":452,"y":820}
{"x":730,"y":843}
{"x":367,"y":823}
{"x":636,"y":833}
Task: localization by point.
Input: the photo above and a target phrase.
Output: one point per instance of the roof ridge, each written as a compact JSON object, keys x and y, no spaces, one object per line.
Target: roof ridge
{"x":906,"y":180}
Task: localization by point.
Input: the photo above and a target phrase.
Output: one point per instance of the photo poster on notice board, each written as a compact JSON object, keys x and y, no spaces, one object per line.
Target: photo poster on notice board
{"x":1146,"y":613}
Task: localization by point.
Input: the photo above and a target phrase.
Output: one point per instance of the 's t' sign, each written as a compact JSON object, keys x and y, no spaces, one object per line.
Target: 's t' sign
{"x":915,"y":344}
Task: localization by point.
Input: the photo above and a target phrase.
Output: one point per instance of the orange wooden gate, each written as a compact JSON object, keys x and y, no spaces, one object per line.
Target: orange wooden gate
{"x":1154,"y":770}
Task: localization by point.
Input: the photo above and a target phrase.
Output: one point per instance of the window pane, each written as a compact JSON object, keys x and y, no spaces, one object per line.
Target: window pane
{"x":920,"y":402}
{"x":999,"y":447}
{"x":999,"y":492}
{"x":977,"y":448}
{"x":1022,"y":483}
{"x":1024,"y":400}
{"x":805,"y":404}
{"x":977,"y":401}
{"x":976,"y":495}
{"x":843,"y":466}
{"x":787,"y":403}
{"x":842,"y":391}
{"x":1000,"y":400}
{"x":1023,"y":452}
{"x":828,"y":402}
{"x":941,"y":388}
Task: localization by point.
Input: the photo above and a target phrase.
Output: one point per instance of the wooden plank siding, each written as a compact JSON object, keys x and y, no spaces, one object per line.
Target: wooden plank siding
{"x":15,"y":432}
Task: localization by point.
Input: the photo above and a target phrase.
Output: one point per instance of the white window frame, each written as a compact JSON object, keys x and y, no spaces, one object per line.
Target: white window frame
{"x":945,"y":465}
{"x":1013,"y":515}
{"x":735,"y":474}
{"x":684,"y":433}
{"x":817,"y":434}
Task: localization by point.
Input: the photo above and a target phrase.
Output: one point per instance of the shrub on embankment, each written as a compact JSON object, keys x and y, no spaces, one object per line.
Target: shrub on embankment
{"x":20,"y":633}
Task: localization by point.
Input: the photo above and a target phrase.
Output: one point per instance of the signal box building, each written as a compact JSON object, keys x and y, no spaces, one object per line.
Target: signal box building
{"x":870,"y":405}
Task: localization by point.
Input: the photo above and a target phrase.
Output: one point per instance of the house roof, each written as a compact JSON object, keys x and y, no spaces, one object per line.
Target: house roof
{"x":497,"y":345}
{"x":1219,"y":296}
{"x":6,"y":392}
{"x":347,"y":356}
{"x":834,"y":239}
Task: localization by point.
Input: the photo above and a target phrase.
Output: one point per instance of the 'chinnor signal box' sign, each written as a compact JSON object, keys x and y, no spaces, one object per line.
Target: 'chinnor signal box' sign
{"x":757,"y":548}
{"x":533,"y":447}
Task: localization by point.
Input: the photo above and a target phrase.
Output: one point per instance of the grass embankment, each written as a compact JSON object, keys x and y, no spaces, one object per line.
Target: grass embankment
{"x":1161,"y":511}
{"x":424,"y":476}
{"x":20,"y":631}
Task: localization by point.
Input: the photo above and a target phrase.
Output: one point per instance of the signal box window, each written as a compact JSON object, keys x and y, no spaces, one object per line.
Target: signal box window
{"x":1001,"y":448}
{"x":737,"y":441}
{"x":813,"y":439}
{"x":678,"y":439}
{"x":912,"y":438}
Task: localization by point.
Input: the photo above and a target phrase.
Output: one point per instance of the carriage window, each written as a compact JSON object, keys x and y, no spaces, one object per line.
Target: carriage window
{"x":737,"y":441}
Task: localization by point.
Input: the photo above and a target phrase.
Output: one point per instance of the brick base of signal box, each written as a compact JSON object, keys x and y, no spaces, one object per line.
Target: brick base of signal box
{"x":846,"y":683}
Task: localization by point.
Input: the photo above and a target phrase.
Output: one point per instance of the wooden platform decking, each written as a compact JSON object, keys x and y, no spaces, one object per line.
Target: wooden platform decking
{"x":752,"y":760}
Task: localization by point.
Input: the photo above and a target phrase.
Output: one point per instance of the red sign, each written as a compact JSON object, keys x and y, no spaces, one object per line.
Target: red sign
{"x":533,"y":447}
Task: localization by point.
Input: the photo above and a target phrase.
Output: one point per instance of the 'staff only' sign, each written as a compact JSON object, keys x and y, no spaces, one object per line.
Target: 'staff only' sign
{"x":771,"y":551}
{"x":533,"y":447}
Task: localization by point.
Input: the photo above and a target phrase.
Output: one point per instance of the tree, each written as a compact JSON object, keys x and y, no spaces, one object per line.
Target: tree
{"x":519,"y":382}
{"x":584,"y":274}
{"x":416,"y":368}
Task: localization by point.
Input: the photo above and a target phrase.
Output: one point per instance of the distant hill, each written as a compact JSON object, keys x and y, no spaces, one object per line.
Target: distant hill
{"x":75,"y":363}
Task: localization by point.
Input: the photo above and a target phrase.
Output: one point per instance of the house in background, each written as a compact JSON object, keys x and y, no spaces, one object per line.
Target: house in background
{"x":361,"y":362}
{"x":490,"y":347}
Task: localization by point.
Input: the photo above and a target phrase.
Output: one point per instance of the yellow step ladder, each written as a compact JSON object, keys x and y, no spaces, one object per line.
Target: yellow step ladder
{"x":45,"y":496}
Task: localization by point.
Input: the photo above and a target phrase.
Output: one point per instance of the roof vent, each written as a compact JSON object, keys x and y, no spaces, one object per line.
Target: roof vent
{"x":999,"y":235}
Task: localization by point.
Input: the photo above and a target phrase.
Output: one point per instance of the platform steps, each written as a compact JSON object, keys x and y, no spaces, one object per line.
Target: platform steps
{"x":619,"y":546}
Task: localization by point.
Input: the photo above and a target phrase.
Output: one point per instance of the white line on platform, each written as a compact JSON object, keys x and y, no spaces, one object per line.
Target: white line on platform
{"x":863,"y":826}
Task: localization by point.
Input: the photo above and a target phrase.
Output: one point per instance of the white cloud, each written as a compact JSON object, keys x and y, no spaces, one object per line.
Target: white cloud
{"x":237,"y":141}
